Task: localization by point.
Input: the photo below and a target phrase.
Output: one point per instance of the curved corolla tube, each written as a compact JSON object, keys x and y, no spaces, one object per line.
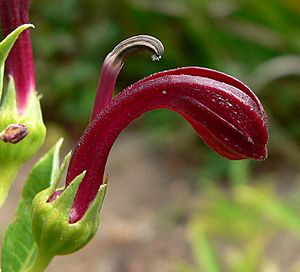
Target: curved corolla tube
{"x":223,"y":111}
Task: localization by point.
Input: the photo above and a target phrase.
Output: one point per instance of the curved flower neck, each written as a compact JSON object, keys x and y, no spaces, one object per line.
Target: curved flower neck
{"x":114,"y":62}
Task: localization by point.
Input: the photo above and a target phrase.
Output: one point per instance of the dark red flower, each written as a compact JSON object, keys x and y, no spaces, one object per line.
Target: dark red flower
{"x":223,"y":111}
{"x":19,"y":65}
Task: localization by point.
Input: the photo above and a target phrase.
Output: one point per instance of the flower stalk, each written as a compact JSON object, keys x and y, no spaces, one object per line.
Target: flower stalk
{"x":8,"y":173}
{"x":41,"y":262}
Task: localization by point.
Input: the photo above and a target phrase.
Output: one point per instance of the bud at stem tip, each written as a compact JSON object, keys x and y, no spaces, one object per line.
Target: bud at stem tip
{"x":14,"y":133}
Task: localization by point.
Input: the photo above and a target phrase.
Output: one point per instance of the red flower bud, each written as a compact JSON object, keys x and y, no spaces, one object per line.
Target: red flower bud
{"x":19,"y":64}
{"x":14,"y":133}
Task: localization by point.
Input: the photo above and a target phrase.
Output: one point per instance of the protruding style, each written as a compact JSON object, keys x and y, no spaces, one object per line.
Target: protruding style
{"x":114,"y":61}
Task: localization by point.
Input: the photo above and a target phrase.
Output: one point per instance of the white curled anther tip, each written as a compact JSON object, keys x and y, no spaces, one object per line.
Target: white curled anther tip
{"x":135,"y":45}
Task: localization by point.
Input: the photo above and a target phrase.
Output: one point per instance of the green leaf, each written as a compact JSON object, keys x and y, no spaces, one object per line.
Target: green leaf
{"x":202,"y":248}
{"x":271,"y":207}
{"x":19,"y":248}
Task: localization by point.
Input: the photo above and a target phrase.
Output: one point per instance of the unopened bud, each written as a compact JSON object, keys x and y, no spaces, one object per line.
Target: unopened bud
{"x":14,"y":133}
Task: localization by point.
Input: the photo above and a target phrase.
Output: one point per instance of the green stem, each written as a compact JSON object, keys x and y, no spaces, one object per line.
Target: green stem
{"x":7,"y":176}
{"x":41,"y":261}
{"x":239,"y":172}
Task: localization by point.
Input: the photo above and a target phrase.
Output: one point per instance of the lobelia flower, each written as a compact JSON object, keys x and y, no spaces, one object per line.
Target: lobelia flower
{"x":223,"y":111}
{"x":19,"y":64}
{"x":21,"y":120}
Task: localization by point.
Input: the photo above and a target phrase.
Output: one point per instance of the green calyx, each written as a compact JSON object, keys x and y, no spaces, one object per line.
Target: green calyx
{"x":51,"y":228}
{"x":32,"y":118}
{"x":12,"y":156}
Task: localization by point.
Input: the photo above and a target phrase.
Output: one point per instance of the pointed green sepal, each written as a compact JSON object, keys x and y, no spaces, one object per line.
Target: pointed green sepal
{"x":93,"y":212}
{"x":52,"y":230}
{"x":7,"y":44}
{"x":64,"y":202}
{"x":59,"y":173}
{"x":5,"y":47}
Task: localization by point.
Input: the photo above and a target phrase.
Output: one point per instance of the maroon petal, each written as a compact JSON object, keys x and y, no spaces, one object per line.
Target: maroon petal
{"x":223,"y":111}
{"x":19,"y":64}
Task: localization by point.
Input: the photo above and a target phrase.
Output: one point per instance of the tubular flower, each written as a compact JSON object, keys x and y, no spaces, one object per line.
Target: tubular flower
{"x":19,"y":64}
{"x":222,"y":110}
{"x":19,"y":103}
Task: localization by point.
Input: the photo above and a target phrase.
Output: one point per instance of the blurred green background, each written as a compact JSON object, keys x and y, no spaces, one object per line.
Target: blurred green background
{"x":237,"y":211}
